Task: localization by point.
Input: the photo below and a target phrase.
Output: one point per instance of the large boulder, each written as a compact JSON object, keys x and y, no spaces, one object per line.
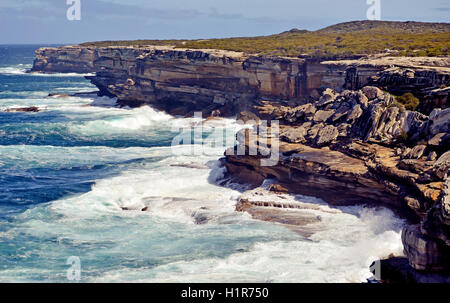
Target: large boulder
{"x":323,"y":115}
{"x":327,"y":135}
{"x":440,"y":140}
{"x":442,"y":166}
{"x":293,"y":134}
{"x":382,"y":123}
{"x":355,"y":114}
{"x":417,"y":152}
{"x":440,"y":121}
{"x":303,"y":112}
{"x":359,"y":98}
{"x":423,"y":252}
{"x":372,"y":92}
{"x":328,"y":96}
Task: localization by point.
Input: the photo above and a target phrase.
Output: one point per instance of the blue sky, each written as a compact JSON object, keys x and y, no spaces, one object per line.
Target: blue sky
{"x":44,"y":21}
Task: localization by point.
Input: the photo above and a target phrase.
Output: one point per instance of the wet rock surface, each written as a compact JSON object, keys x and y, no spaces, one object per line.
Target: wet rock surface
{"x":364,"y":150}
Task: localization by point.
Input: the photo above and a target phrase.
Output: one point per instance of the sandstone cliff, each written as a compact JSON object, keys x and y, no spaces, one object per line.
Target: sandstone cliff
{"x":182,"y":80}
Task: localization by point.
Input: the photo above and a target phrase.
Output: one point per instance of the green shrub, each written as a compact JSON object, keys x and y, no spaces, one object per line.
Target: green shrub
{"x":342,"y":40}
{"x":409,"y":101}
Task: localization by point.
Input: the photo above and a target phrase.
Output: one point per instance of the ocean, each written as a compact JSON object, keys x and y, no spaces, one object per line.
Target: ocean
{"x":76,"y":175}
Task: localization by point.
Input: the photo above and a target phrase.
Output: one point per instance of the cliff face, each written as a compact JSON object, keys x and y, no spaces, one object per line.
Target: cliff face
{"x":184,"y":81}
{"x":181,"y":80}
{"x":64,"y":60}
{"x":171,"y":78}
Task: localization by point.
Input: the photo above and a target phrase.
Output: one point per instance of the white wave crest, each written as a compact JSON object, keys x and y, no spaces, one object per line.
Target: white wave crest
{"x":60,"y":74}
{"x":139,"y":117}
{"x":22,"y":69}
{"x":19,"y":69}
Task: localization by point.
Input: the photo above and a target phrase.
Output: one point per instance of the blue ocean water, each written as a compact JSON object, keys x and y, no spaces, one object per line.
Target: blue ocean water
{"x":68,"y":171}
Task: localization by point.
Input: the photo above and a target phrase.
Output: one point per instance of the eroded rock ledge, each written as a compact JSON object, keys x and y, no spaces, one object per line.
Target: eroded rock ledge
{"x":359,"y":147}
{"x":182,"y":80}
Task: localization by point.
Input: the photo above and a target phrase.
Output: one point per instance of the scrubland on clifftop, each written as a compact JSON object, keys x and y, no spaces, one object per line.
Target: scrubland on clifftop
{"x":342,"y":40}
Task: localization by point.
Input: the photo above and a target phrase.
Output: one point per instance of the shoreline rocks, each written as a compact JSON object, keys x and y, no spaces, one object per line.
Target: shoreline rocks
{"x":425,"y":253}
{"x":398,"y":270}
{"x":378,"y":156}
{"x":344,"y":145}
{"x":32,"y":109}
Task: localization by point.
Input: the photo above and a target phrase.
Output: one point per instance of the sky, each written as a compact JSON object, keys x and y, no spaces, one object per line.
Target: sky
{"x":46,"y":22}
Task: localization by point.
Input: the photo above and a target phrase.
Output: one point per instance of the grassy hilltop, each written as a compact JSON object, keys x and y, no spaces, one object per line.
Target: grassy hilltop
{"x":337,"y":41}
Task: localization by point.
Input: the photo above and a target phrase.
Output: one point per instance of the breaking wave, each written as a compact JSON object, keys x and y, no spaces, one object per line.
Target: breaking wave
{"x":85,"y":178}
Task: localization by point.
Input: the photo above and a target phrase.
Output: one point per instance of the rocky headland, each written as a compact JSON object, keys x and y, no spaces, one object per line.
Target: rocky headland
{"x":360,"y":147}
{"x":182,"y":81}
{"x":344,"y":137}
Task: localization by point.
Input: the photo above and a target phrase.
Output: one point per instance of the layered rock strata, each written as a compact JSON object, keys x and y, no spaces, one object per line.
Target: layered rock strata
{"x":183,"y":80}
{"x":359,"y":147}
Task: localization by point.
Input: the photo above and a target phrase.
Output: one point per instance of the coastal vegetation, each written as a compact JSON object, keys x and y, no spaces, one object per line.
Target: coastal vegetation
{"x":409,"y":101}
{"x":338,"y":41}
